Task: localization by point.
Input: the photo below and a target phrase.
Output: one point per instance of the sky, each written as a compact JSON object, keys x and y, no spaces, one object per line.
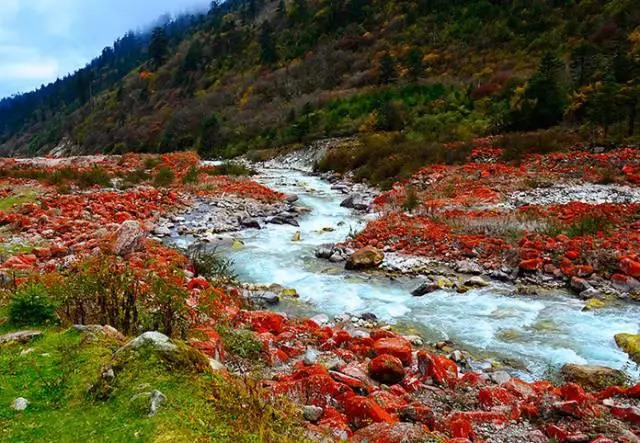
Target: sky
{"x":41,"y":40}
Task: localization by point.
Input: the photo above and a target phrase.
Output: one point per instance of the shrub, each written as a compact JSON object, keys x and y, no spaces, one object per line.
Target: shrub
{"x":168,"y":311}
{"x":31,"y":305}
{"x":240,"y":342}
{"x":163,"y":178}
{"x":191,"y":177}
{"x":210,"y":265}
{"x":95,"y":176}
{"x":231,"y":168}
{"x":589,"y":225}
{"x":412,"y":201}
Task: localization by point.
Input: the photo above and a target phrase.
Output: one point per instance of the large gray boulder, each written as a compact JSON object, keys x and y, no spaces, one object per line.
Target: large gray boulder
{"x":19,"y":337}
{"x":155,"y":339}
{"x":129,"y":238}
{"x":355,"y":201}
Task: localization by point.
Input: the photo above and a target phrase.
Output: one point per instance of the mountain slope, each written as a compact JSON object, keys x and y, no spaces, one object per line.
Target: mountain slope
{"x":255,"y":74}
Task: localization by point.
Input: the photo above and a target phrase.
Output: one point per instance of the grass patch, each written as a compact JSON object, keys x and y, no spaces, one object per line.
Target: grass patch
{"x":200,"y":406}
{"x":19,"y":198}
{"x":240,"y":342}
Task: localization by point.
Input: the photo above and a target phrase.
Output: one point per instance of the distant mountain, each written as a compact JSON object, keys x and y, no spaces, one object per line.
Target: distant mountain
{"x":253,"y":74}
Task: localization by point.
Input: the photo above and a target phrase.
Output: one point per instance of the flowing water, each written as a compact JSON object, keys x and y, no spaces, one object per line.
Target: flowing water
{"x":538,"y":332}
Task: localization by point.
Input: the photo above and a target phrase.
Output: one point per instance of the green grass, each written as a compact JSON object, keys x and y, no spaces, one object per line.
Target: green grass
{"x":56,"y":374}
{"x":20,"y":197}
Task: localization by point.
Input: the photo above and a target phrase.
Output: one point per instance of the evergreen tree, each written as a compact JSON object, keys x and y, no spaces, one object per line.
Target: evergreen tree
{"x":158,"y":46}
{"x":268,"y":54}
{"x":544,"y":98}
{"x":414,"y":61}
{"x":387,"y":70}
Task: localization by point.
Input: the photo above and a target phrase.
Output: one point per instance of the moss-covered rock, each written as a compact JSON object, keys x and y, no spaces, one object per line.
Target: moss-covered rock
{"x":593,"y":378}
{"x":629,"y":343}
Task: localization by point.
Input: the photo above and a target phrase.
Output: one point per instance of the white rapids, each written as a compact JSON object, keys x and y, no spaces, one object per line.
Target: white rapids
{"x":539,"y":332}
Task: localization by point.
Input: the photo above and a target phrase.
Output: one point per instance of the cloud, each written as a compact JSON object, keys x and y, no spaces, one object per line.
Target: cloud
{"x":40,"y":70}
{"x":41,"y":40}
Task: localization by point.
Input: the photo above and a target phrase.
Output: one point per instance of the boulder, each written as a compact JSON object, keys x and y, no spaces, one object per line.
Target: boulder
{"x":531,"y":265}
{"x":629,"y":343}
{"x":395,"y":346}
{"x":312,"y":413}
{"x":19,"y":337}
{"x":324,"y":251}
{"x":424,"y":288}
{"x":156,"y":340}
{"x":386,"y":369}
{"x":594,"y":378}
{"x":250,"y":223}
{"x":468,"y":267}
{"x":128,"y":238}
{"x":152,"y":400}
{"x":162,"y":231}
{"x":579,"y":284}
{"x":20,"y":404}
{"x":355,"y":201}
{"x":367,"y":257}
{"x":476,"y":282}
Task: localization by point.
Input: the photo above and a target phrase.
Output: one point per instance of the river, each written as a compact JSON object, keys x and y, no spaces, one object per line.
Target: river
{"x":541,"y":333}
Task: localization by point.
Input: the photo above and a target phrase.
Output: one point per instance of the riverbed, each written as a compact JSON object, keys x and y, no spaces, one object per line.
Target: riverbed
{"x":540,"y":333}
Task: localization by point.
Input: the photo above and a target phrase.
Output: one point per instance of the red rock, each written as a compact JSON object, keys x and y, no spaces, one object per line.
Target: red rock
{"x":633,"y":392}
{"x":470,"y":378}
{"x":571,"y":407}
{"x":395,"y":346}
{"x":277,"y":356}
{"x":531,"y":265}
{"x":460,"y":428}
{"x":520,"y":388}
{"x":335,"y":423}
{"x":630,"y":414}
{"x":601,"y":439}
{"x":347,"y":380}
{"x":264,"y":321}
{"x":317,"y":390}
{"x":573,"y":392}
{"x":440,"y":369}
{"x":572,"y":255}
{"x":584,"y":270}
{"x":418,"y":413}
{"x":529,"y":410}
{"x":390,"y":402}
{"x":362,"y":411}
{"x":630,"y":267}
{"x":611,"y":391}
{"x":495,"y":396}
{"x":377,"y":334}
{"x":387,"y":369}
{"x":562,"y":435}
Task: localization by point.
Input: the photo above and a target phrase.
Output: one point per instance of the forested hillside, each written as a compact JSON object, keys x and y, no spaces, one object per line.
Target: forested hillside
{"x":253,"y":74}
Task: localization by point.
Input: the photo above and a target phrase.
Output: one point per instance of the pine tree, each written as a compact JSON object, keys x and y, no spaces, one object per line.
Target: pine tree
{"x":268,"y":54}
{"x":414,"y":61}
{"x":158,"y":46}
{"x":387,"y":71}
